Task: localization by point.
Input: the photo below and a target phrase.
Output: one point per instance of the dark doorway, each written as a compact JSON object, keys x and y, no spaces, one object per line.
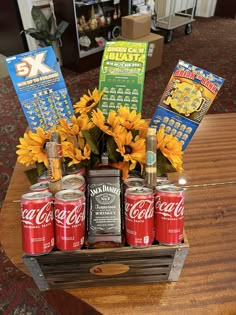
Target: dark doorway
{"x":226,"y":8}
{"x":11,"y":42}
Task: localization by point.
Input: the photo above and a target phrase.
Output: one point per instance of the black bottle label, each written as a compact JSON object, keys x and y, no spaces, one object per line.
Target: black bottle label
{"x":105,"y":208}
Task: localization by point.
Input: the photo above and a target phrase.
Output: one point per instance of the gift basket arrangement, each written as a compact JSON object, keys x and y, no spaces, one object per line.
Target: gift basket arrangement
{"x":101,"y":209}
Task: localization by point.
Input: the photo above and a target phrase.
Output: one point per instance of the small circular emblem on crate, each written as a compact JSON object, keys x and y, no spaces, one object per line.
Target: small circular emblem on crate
{"x":109,"y":269}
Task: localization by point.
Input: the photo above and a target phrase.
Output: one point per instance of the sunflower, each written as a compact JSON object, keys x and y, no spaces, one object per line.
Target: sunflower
{"x":75,"y":128}
{"x":131,"y":120}
{"x":132,"y":150}
{"x":171,"y":148}
{"x":124,"y":167}
{"x":87,"y":102}
{"x":108,"y":125}
{"x":76,"y":154}
{"x":32,"y":147}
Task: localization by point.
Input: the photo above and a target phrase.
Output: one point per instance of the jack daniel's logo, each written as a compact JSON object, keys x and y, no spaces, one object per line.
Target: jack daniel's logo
{"x":103,"y":188}
{"x":104,"y":200}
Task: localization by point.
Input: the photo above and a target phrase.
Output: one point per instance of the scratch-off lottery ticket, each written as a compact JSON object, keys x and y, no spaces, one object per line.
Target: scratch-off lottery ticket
{"x":186,"y":99}
{"x":40,"y":87}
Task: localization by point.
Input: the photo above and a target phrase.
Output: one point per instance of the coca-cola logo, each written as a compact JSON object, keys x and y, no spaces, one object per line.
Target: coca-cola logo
{"x":38,"y":216}
{"x":143,"y":209}
{"x":169,"y":209}
{"x":74,"y":216}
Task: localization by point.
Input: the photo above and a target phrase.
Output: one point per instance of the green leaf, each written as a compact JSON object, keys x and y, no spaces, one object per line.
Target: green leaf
{"x":113,"y":155}
{"x":32,"y":175}
{"x":163,"y":164}
{"x":40,"y":20}
{"x":61,"y":29}
{"x":29,"y":30}
{"x":50,"y":20}
{"x":42,"y":32}
{"x":39,"y":35}
{"x":96,"y":133}
{"x":93,"y":162}
{"x":90,"y":141}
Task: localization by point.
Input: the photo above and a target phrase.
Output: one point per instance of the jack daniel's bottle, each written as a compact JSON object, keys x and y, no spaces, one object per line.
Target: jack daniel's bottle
{"x":105,"y":204}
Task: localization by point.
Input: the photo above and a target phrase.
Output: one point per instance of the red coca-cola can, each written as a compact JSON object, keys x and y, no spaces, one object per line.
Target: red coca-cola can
{"x":169,"y":215}
{"x":74,"y":181}
{"x":133,"y":182}
{"x":40,"y":187}
{"x":165,"y":182}
{"x":75,"y":170}
{"x":69,"y":210}
{"x":37,"y":223}
{"x":44,"y":177}
{"x":161,"y":178}
{"x":139,"y":216}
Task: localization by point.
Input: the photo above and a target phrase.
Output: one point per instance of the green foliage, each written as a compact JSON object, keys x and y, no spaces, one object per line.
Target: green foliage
{"x":114,"y":156}
{"x":43,"y":26}
{"x":90,"y":140}
{"x":163,"y":164}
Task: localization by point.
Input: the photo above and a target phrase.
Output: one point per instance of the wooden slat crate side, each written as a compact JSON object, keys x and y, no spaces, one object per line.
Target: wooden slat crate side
{"x":108,"y":282}
{"x":111,"y":254}
{"x":84,"y":272}
{"x":74,"y":269}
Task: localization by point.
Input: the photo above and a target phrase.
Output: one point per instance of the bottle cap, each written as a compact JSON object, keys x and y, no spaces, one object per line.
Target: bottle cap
{"x":151,"y":131}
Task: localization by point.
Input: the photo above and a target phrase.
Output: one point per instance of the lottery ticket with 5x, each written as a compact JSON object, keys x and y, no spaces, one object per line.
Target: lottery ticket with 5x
{"x":40,"y":87}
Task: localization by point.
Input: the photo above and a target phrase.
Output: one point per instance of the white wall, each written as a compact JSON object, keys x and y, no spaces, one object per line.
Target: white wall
{"x":206,"y":8}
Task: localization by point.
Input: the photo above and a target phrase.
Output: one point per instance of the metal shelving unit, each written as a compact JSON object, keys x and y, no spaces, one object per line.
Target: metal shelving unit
{"x":176,"y":13}
{"x":81,"y":45}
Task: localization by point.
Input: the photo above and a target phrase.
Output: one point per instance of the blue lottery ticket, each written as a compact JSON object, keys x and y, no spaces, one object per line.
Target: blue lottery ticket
{"x":40,"y":87}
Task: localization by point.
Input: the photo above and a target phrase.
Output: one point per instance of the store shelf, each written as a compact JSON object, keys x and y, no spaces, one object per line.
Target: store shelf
{"x":86,"y":3}
{"x":85,"y":53}
{"x":91,"y":24}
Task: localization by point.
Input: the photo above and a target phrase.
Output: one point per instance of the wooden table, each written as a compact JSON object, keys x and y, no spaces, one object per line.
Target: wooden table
{"x":207,"y":285}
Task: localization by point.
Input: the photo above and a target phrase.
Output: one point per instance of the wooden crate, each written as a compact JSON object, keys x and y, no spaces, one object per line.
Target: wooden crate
{"x":113,"y":266}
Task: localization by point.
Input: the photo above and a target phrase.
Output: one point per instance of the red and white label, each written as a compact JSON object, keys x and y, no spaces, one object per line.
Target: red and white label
{"x":37,"y":226}
{"x":70,"y":224}
{"x":139,"y":220}
{"x":169,"y":217}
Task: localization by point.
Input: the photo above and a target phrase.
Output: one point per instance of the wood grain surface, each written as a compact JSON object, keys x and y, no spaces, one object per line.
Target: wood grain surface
{"x":207,"y":285}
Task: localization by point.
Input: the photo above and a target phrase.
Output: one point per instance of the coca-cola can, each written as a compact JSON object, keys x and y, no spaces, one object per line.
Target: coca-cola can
{"x":164,"y":182}
{"x":44,"y":177}
{"x":37,"y":223}
{"x":139,"y":216}
{"x":161,"y":178}
{"x":69,"y":210}
{"x":75,"y":170}
{"x":40,"y":187}
{"x":74,"y":181}
{"x":133,"y":182}
{"x":169,"y":215}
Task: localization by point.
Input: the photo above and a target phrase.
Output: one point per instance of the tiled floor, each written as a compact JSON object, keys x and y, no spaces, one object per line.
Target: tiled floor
{"x":3,"y":70}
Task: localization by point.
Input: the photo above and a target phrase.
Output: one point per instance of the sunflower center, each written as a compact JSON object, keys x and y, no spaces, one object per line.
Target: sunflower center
{"x":128,"y":149}
{"x":89,"y":103}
